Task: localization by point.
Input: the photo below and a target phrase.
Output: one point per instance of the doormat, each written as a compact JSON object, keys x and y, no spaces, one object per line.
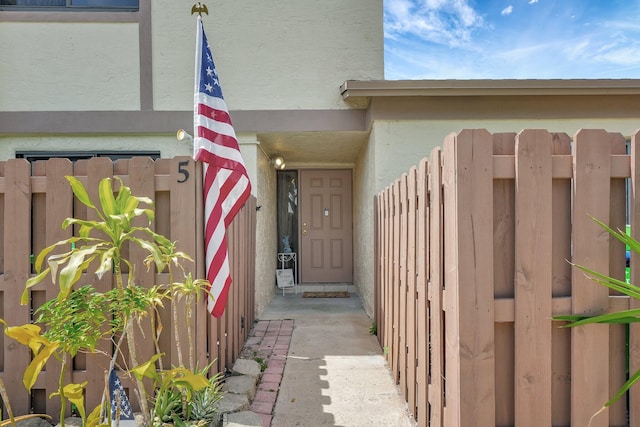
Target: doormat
{"x":339,"y":294}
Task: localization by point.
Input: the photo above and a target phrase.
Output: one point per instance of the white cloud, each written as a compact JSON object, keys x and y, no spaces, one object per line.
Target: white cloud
{"x":507,"y":10}
{"x":445,"y":22}
{"x":533,"y":1}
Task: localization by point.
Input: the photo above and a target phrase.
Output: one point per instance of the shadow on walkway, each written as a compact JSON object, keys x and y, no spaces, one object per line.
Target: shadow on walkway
{"x":335,"y":373}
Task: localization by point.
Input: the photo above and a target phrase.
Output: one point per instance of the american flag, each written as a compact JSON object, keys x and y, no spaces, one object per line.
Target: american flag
{"x":225,"y":180}
{"x":119,"y":402}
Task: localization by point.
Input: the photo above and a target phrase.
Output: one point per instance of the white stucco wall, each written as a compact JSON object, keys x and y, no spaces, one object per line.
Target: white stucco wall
{"x":69,"y":66}
{"x":289,"y":54}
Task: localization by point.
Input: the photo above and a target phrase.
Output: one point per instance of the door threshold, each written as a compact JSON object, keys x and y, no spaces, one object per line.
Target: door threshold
{"x":327,"y":287}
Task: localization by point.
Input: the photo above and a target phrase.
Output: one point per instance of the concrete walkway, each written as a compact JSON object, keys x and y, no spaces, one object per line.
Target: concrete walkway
{"x":335,"y":373}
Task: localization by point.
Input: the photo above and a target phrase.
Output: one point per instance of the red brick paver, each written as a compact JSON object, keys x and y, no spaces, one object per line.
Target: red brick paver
{"x":269,"y":340}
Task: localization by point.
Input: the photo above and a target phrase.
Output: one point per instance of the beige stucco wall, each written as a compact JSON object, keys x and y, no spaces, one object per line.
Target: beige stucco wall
{"x":401,"y":144}
{"x":363,"y":223}
{"x":287,"y":54}
{"x":266,"y":237}
{"x":69,"y":66}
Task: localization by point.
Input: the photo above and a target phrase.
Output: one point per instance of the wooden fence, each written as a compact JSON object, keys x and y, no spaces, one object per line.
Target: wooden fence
{"x":472,"y":263}
{"x":35,"y":199}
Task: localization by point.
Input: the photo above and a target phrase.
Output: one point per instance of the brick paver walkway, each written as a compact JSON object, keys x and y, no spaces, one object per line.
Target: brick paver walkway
{"x":269,"y":340}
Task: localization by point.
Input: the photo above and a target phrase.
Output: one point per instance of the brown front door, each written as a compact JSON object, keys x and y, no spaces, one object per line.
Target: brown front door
{"x":326,"y":226}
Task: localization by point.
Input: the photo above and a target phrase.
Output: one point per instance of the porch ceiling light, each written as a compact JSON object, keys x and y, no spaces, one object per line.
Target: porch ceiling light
{"x":183,"y":134}
{"x":278,"y":162}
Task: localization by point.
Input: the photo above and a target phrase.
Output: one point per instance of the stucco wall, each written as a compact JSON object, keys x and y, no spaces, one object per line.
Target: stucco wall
{"x":363,"y":190}
{"x":59,"y":66}
{"x":401,"y":144}
{"x":268,"y":54}
{"x":266,"y":238}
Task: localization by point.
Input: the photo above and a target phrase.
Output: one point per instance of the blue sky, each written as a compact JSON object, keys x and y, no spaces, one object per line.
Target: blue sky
{"x":520,"y":39}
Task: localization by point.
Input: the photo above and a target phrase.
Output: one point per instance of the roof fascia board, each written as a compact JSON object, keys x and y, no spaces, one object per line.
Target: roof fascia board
{"x":353,"y":89}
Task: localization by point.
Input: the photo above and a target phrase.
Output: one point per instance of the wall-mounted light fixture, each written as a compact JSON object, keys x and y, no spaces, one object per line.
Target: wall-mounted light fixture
{"x":278,"y":162}
{"x":183,"y":134}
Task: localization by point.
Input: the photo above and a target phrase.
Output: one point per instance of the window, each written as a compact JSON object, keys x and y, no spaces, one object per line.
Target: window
{"x":33,"y":156}
{"x":93,"y":5}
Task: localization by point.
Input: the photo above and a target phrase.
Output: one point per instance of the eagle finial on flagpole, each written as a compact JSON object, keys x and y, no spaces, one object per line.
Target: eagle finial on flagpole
{"x":199,"y":8}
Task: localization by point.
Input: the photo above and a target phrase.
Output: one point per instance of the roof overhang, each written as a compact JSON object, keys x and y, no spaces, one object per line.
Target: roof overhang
{"x":357,"y":91}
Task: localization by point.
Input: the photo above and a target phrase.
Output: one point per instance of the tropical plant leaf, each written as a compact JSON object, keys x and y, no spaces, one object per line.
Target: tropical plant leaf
{"x":107,"y":201}
{"x":625,"y":316}
{"x":79,"y":261}
{"x":31,"y":282}
{"x":147,"y":369}
{"x":631,"y":381}
{"x":35,"y":367}
{"x":80,"y":192}
{"x":93,"y":420}
{"x":612,"y":283}
{"x":74,"y":392}
{"x":106,"y":262}
{"x":153,"y":250}
{"x":27,"y":334}
{"x":633,"y":244}
{"x":192,"y":381}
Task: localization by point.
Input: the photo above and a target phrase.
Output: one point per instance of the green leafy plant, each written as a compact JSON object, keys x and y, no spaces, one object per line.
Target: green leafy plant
{"x":373,"y":329}
{"x":79,"y":317}
{"x":204,"y":402}
{"x":619,"y":317}
{"x":261,"y":362}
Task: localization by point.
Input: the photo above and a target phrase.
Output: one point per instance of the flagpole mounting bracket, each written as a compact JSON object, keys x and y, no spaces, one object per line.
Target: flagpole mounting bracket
{"x":199,"y":8}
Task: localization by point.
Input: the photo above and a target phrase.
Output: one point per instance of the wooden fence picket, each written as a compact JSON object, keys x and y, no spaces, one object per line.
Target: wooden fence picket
{"x":435,"y":283}
{"x":422,"y":260}
{"x":592,"y":174}
{"x":533,"y":277}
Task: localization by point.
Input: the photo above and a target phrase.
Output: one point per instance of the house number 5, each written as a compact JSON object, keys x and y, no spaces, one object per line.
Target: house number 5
{"x":183,"y":171}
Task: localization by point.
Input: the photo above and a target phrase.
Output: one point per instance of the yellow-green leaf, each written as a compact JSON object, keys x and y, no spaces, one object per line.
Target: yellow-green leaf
{"x":107,"y":201}
{"x":33,"y":370}
{"x":126,"y":202}
{"x":37,"y":265}
{"x":79,"y":191}
{"x":93,"y":420}
{"x":28,"y":334}
{"x":106,"y":262}
{"x":193,"y":381}
{"x":73,"y":392}
{"x":31,"y":282}
{"x":147,"y":369}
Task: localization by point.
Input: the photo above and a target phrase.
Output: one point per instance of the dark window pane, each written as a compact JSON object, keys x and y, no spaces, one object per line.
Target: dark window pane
{"x":105,"y":3}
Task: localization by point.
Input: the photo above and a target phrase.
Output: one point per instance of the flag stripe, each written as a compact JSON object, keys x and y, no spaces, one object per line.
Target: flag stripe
{"x":226,"y":183}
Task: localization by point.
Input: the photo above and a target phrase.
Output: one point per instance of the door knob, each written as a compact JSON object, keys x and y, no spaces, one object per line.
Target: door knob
{"x":304,"y":231}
